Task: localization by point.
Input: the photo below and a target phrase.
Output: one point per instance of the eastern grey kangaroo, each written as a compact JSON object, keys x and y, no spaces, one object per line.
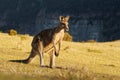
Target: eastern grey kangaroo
{"x":48,"y":41}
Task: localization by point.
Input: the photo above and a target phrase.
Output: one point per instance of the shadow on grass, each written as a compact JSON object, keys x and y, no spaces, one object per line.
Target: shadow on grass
{"x":45,"y":66}
{"x":57,"y":67}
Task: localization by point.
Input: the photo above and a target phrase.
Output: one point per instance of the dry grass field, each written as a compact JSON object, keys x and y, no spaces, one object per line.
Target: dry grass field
{"x":77,"y":61}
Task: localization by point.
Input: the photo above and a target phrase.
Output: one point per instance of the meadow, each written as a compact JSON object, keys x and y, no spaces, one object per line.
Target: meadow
{"x":77,"y":60}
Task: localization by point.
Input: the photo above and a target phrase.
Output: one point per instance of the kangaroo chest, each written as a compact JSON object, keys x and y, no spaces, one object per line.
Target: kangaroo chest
{"x":58,"y":36}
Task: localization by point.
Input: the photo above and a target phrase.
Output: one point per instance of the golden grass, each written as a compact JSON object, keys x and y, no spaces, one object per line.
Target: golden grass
{"x":77,"y":61}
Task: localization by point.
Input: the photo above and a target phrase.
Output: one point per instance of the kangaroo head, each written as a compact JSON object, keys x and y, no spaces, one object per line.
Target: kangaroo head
{"x":64,"y":22}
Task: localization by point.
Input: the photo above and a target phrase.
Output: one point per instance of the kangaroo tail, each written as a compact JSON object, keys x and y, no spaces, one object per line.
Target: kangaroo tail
{"x":20,"y":61}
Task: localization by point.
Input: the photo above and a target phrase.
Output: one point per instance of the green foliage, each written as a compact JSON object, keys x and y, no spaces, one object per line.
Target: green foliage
{"x":67,"y":37}
{"x":12,"y":32}
{"x":0,"y":31}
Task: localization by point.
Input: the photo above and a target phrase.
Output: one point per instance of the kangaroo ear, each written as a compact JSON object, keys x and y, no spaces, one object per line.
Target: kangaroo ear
{"x":67,"y":18}
{"x":61,"y":18}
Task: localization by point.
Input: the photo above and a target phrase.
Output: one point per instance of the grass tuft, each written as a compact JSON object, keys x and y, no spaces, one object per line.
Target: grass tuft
{"x":94,"y":51}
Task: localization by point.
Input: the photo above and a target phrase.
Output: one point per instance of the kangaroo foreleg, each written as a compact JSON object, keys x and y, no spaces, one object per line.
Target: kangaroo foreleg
{"x":57,"y":48}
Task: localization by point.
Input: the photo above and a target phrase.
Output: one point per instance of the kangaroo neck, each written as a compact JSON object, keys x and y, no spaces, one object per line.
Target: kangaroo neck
{"x":59,"y":29}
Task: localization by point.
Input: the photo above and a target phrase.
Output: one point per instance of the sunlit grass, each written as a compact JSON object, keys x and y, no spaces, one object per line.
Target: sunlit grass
{"x":77,"y":61}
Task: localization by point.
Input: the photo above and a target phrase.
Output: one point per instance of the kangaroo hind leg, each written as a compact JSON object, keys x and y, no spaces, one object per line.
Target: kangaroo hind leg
{"x":52,"y":59}
{"x":41,"y":53}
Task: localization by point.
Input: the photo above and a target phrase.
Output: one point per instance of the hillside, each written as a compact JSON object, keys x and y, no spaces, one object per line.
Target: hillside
{"x":90,"y":19}
{"x":85,"y":61}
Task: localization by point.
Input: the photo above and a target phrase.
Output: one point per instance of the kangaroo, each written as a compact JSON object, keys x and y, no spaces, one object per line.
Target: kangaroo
{"x":48,"y":41}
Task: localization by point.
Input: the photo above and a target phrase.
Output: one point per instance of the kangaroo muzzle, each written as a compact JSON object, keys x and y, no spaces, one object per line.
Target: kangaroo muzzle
{"x":67,"y":28}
